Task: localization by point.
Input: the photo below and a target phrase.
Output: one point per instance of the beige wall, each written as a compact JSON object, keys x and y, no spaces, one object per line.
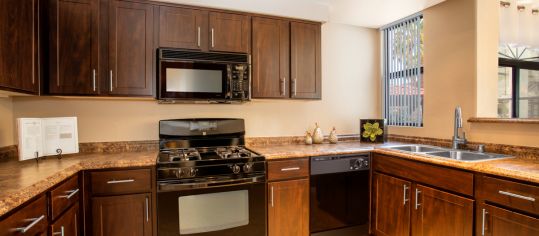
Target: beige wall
{"x":6,"y":122}
{"x":452,"y":75}
{"x":350,"y":91}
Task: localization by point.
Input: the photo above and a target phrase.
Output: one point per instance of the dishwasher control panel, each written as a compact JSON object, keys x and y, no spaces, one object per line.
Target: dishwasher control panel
{"x":339,"y":163}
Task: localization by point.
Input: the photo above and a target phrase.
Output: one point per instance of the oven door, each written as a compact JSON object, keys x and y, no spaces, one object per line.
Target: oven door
{"x":218,"y":210}
{"x":193,"y":80}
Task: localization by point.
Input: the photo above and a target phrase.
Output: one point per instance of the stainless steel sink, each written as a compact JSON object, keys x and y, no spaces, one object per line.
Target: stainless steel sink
{"x":458,"y":155}
{"x":468,"y":156}
{"x":416,"y":148}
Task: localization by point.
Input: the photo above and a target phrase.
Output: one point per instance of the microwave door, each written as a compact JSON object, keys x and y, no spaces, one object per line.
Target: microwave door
{"x":185,"y":80}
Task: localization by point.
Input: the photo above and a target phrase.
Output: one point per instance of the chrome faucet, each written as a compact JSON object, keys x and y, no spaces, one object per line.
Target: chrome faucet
{"x":458,"y":125}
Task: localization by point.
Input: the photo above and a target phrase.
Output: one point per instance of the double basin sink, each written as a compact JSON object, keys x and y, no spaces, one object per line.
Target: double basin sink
{"x":454,"y":154}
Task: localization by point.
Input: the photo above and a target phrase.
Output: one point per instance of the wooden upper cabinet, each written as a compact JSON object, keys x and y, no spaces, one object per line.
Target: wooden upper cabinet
{"x":436,"y":212}
{"x":73,"y":54}
{"x":305,"y":60}
{"x":122,"y":215}
{"x":229,"y":32}
{"x":288,"y":208}
{"x":391,"y":199}
{"x":183,"y":28}
{"x":19,"y":47}
{"x":271,"y":58}
{"x":494,"y":221}
{"x":131,"y":49}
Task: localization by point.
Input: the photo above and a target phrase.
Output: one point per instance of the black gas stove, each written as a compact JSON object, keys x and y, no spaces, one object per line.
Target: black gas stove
{"x":204,"y":170}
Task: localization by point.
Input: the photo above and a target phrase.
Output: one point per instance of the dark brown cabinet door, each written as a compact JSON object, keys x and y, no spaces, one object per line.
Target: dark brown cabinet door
{"x":305,"y":61}
{"x":494,"y":221}
{"x":68,"y":223}
{"x":229,"y":32}
{"x":73,"y":47}
{"x":288,"y":208}
{"x":271,"y":58}
{"x":131,"y":49}
{"x":391,"y":206}
{"x":19,"y":45}
{"x":183,"y":28}
{"x":439,"y":213}
{"x":122,"y":215}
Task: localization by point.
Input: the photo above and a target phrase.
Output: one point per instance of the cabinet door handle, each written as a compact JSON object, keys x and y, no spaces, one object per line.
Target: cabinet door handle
{"x":198,"y":36}
{"x":404,"y":194}
{"x":294,"y":87}
{"x":110,"y":78}
{"x":290,"y":168}
{"x":120,"y":181}
{"x":71,"y":193}
{"x":59,"y":233}
{"x":271,"y":196}
{"x":212,"y":42}
{"x":531,"y":199}
{"x":417,"y":204}
{"x":33,"y":222}
{"x":483,"y":221}
{"x":147,"y":210}
{"x":283,"y":86}
{"x":93,"y":78}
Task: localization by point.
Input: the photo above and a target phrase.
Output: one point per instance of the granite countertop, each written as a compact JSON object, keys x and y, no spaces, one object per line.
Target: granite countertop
{"x":526,"y":169}
{"x":21,"y":181}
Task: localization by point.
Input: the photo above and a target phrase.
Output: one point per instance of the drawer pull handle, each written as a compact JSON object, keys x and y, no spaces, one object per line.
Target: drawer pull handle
{"x":531,"y":199}
{"x":404,"y":194}
{"x":120,"y":181}
{"x":71,"y":193}
{"x":290,"y":169}
{"x":483,"y":221}
{"x":59,"y":233}
{"x":417,"y":204}
{"x":28,"y":227}
{"x":271,"y":196}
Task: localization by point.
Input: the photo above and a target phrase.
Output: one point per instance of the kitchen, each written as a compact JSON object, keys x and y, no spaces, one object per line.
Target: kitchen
{"x":306,"y":62}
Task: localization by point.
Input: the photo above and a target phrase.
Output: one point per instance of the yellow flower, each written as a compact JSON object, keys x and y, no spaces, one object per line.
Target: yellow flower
{"x":372,"y":130}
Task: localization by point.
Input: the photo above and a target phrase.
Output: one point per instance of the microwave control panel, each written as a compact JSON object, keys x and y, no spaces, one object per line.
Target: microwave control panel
{"x":240,"y":82}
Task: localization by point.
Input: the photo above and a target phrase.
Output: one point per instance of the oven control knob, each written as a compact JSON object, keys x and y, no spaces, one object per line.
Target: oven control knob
{"x":248,"y":167}
{"x":178,"y":173}
{"x":236,"y":169}
{"x":366,"y":163}
{"x":189,"y":172}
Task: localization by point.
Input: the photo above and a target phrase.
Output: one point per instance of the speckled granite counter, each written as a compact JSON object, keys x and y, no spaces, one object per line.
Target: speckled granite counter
{"x":526,"y":169}
{"x":21,"y":181}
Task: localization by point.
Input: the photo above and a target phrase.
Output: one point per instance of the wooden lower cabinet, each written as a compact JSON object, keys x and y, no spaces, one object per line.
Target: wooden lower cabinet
{"x":495,"y":221}
{"x":67,"y":224}
{"x":405,"y":208}
{"x":288,"y":208}
{"x":391,"y":197}
{"x":122,"y":215}
{"x":435,"y":212}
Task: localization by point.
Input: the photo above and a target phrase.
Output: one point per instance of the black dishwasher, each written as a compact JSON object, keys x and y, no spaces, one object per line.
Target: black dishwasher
{"x":339,"y":195}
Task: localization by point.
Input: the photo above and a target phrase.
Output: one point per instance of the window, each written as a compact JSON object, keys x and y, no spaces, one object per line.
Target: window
{"x":403,"y":72}
{"x":518,"y":83}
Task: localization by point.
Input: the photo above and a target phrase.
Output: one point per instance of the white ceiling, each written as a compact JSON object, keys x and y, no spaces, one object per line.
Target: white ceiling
{"x":375,"y":13}
{"x":365,"y":13}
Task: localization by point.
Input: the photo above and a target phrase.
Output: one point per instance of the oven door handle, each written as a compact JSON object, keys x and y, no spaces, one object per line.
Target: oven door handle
{"x":167,"y":187}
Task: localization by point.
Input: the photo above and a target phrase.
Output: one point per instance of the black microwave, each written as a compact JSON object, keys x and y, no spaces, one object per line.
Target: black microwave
{"x":191,"y":76}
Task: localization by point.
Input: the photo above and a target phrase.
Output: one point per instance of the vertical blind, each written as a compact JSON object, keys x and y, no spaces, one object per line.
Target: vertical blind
{"x":403,"y":72}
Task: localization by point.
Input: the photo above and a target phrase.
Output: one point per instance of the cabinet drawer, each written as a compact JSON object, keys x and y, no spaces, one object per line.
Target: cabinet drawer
{"x":441,"y":177}
{"x":63,"y":196}
{"x":512,"y":194}
{"x":288,"y":169}
{"x":30,"y":220}
{"x":121,"y":181}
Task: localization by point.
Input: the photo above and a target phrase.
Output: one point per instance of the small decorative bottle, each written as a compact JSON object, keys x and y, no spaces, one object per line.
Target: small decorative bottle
{"x":318,"y":137}
{"x":308,"y":138}
{"x":333,"y":136}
